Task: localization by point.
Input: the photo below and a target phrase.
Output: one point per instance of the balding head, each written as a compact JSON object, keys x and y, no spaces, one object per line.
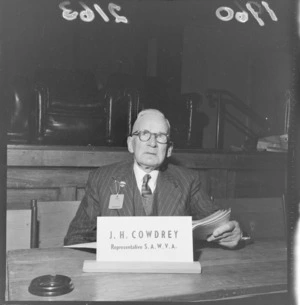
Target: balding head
{"x":155,"y":114}
{"x":149,"y":140}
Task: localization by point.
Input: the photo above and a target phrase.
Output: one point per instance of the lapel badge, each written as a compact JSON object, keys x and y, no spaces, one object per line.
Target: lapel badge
{"x":122,"y":183}
{"x":118,"y":185}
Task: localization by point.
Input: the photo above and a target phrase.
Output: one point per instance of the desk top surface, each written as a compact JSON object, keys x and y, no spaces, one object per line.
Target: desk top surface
{"x":259,"y":268}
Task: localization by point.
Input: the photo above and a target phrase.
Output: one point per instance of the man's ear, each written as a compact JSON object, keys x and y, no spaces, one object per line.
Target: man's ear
{"x":170,"y":150}
{"x":130,"y":144}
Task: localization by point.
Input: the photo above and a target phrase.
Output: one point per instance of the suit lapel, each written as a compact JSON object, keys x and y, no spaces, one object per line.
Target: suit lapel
{"x":168,"y":194}
{"x":124,"y":174}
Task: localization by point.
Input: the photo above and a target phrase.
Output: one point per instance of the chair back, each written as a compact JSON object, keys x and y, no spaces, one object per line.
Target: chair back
{"x":69,"y":108}
{"x":53,"y":219}
{"x":18,"y":229}
{"x":262,"y":218}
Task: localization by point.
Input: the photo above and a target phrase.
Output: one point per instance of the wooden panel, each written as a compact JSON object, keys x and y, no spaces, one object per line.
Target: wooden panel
{"x":218,"y":183}
{"x":260,"y":217}
{"x":48,"y":177}
{"x":231,"y":184}
{"x":225,"y":160}
{"x":67,"y":193}
{"x":63,"y":156}
{"x":20,"y":198}
{"x":18,"y":228}
{"x":66,"y":169}
{"x":54,"y":219}
{"x":260,"y":183}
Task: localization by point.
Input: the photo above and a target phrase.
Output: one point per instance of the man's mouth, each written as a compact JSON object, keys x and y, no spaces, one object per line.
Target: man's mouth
{"x":150,"y":153}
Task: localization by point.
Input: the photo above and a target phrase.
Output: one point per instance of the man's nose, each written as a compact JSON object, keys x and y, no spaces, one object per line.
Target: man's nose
{"x":152,"y":141}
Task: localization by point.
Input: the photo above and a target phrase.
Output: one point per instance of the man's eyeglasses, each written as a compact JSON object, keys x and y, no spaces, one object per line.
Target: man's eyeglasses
{"x":145,"y":135}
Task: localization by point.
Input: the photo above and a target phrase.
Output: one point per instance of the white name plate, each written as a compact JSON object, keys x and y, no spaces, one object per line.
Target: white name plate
{"x":144,"y":239}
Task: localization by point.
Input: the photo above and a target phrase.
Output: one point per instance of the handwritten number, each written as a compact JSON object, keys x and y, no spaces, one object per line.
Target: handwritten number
{"x":112,"y":7}
{"x":87,"y":15}
{"x":67,"y":14}
{"x":270,"y":11}
{"x":241,"y":16}
{"x":257,"y":5}
{"x":228,"y":10}
{"x":101,"y":13}
{"x":255,"y":14}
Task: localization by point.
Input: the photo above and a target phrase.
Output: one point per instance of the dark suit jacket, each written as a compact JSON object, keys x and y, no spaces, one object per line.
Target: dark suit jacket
{"x":178,"y":193}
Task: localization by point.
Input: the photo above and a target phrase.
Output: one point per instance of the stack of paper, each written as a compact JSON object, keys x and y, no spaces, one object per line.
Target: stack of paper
{"x":204,"y":227}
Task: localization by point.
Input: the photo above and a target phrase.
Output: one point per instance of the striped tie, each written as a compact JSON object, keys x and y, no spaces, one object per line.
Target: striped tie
{"x":146,"y":191}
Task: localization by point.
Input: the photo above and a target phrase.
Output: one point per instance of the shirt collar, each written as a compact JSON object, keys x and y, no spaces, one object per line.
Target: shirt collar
{"x":139,"y":175}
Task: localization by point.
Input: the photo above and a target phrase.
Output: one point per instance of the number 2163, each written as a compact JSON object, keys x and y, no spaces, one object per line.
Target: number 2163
{"x":88,"y":15}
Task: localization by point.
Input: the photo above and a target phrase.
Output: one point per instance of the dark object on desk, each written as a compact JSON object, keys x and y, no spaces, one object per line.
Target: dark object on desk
{"x":51,"y":285}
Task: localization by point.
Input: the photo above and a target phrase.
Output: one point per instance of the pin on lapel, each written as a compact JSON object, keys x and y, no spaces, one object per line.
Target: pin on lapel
{"x":118,"y":185}
{"x":122,"y":183}
{"x":116,"y":200}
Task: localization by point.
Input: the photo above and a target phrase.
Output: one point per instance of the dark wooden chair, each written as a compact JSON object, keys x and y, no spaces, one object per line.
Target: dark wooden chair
{"x":20,"y":96}
{"x":122,"y":102}
{"x":69,"y":109}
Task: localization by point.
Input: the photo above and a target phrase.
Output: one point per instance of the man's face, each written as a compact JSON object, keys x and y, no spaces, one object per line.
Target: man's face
{"x":150,"y":154}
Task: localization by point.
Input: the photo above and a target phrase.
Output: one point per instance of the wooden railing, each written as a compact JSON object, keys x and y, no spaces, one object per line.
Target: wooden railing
{"x":220,"y":99}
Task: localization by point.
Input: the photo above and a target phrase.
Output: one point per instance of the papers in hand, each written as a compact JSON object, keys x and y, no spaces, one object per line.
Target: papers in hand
{"x":204,"y":227}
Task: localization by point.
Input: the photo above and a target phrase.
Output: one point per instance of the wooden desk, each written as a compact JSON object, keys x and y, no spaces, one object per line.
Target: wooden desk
{"x":260,"y":268}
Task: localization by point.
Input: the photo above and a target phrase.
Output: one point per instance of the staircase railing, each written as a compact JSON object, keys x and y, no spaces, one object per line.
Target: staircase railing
{"x":220,"y":99}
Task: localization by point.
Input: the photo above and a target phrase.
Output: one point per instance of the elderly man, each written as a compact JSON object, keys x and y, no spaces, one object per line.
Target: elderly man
{"x":147,"y":186}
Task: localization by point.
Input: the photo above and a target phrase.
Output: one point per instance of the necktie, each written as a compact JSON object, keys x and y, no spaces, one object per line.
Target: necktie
{"x":146,"y":191}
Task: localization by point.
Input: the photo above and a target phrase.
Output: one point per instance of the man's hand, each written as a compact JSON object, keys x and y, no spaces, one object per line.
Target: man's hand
{"x":227,"y":235}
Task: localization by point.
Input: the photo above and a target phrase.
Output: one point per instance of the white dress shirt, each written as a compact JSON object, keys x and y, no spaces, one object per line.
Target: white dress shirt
{"x":139,"y":175}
